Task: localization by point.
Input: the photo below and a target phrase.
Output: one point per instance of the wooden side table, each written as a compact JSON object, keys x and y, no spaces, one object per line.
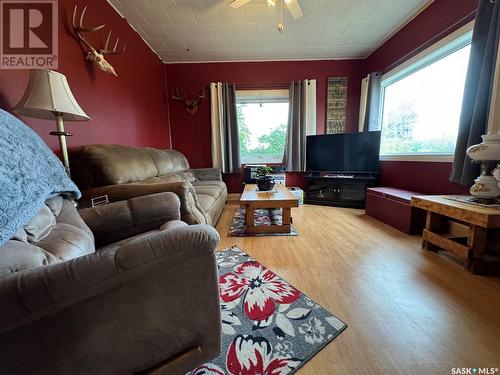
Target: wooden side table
{"x":462,"y":229}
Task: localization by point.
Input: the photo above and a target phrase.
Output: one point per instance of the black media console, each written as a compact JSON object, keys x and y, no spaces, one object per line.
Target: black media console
{"x":339,"y":189}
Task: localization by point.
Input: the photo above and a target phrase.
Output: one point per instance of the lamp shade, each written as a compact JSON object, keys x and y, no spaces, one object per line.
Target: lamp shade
{"x":48,"y":93}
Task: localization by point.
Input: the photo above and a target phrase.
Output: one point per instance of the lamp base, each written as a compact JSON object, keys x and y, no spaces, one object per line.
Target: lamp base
{"x":486,"y":185}
{"x":485,"y":201}
{"x":61,"y":134}
{"x":66,"y":134}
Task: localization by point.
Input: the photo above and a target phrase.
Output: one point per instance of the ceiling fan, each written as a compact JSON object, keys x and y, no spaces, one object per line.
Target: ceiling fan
{"x":292,"y":5}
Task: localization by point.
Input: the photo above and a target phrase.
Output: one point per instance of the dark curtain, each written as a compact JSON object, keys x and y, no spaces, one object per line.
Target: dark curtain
{"x":229,"y":126}
{"x":294,"y":159}
{"x":370,"y":121}
{"x":478,"y":89}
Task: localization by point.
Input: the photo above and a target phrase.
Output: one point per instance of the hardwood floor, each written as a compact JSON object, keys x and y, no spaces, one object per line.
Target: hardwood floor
{"x":408,"y":311}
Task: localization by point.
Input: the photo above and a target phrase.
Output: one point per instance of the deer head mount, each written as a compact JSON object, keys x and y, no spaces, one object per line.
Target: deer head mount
{"x":96,"y":55}
{"x":190,"y":104}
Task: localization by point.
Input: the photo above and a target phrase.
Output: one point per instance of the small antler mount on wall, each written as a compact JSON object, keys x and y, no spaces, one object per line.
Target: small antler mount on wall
{"x":190,"y":104}
{"x":94,"y":55}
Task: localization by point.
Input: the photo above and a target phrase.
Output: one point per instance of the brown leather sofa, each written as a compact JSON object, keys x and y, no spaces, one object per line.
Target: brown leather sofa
{"x":117,"y":289}
{"x":122,"y":172}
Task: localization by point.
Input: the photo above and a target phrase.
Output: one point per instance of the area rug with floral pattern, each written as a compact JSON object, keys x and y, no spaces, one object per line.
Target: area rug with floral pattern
{"x":263,"y":216}
{"x":268,"y":326}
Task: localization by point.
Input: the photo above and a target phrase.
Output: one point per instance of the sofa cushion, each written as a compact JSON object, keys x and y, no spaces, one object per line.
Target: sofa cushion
{"x":111,"y":164}
{"x":213,"y":188}
{"x":168,"y":161}
{"x":70,"y":237}
{"x":55,"y":204}
{"x":67,"y":241}
{"x":187,"y":176}
{"x":212,"y":197}
{"x":20,"y":235}
{"x":173,"y":224}
{"x":206,"y":201}
{"x":17,"y":256}
{"x":169,"y":178}
{"x":40,"y":225}
{"x":49,"y":239}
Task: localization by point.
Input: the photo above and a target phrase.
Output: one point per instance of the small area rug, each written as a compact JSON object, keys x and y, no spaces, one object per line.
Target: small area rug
{"x":262,"y":216}
{"x":268,"y":326}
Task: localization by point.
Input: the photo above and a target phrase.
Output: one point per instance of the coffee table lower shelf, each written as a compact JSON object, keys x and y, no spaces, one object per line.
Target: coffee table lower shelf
{"x":251,"y":228}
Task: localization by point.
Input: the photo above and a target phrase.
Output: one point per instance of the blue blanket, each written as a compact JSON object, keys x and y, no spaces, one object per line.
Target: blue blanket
{"x":30,"y":173}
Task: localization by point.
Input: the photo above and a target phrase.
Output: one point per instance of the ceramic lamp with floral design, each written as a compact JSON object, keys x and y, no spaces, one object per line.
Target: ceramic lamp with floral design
{"x":486,"y":185}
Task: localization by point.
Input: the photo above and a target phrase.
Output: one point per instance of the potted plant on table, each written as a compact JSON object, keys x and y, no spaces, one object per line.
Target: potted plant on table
{"x":264,"y":181}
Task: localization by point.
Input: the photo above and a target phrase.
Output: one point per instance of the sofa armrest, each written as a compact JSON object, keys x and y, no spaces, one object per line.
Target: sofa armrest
{"x":152,"y":300}
{"x":136,"y":253}
{"x":32,"y":294}
{"x":207,"y":174}
{"x":123,"y":219}
{"x":191,"y":211}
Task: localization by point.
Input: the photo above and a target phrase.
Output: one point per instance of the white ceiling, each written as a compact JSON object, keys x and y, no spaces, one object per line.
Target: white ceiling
{"x":211,"y":30}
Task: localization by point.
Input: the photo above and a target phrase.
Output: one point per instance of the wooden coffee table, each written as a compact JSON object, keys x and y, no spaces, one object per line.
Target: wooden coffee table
{"x":252,"y":199}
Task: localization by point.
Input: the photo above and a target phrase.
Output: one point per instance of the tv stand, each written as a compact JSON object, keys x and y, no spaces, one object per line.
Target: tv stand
{"x":341,"y":189}
{"x":336,"y":175}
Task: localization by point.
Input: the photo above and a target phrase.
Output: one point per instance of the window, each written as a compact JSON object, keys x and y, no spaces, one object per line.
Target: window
{"x":262,"y":122}
{"x":421,"y":101}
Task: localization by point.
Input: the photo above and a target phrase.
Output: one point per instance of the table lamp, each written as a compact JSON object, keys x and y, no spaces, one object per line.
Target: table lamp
{"x":49,"y":97}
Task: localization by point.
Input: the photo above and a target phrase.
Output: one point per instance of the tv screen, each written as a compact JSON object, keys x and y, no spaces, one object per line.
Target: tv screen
{"x":345,"y":152}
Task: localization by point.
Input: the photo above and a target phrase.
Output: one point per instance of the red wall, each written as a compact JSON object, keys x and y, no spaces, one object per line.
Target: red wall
{"x":438,"y":20}
{"x":130,"y":109}
{"x":423,"y":177}
{"x":191,"y":133}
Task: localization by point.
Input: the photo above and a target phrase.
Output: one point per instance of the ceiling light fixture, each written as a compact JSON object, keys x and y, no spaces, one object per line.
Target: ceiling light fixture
{"x":294,"y":8}
{"x":292,"y":5}
{"x":281,"y":26}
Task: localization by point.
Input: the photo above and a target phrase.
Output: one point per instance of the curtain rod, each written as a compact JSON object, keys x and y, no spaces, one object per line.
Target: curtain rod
{"x":257,"y":86}
{"x":433,"y":40}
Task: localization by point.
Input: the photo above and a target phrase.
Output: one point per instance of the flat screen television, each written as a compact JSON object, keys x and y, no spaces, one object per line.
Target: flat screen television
{"x":344,"y":152}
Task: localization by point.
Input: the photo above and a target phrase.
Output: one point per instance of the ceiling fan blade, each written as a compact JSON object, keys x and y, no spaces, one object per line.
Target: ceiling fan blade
{"x":294,"y":8}
{"x":238,"y":3}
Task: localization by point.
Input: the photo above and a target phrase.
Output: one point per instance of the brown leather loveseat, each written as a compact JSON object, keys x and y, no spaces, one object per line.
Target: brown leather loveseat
{"x":122,"y":172}
{"x":124,"y":288}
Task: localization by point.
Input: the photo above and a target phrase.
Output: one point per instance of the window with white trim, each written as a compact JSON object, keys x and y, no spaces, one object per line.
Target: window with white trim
{"x":262,"y":122}
{"x":421,"y":101}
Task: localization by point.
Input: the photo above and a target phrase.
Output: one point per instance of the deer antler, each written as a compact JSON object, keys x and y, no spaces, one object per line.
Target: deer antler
{"x":198,"y":97}
{"x":95,"y":55}
{"x":201,"y":95}
{"x":190,"y":104}
{"x":107,"y":51}
{"x":177,"y":95}
{"x":79,"y":29}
